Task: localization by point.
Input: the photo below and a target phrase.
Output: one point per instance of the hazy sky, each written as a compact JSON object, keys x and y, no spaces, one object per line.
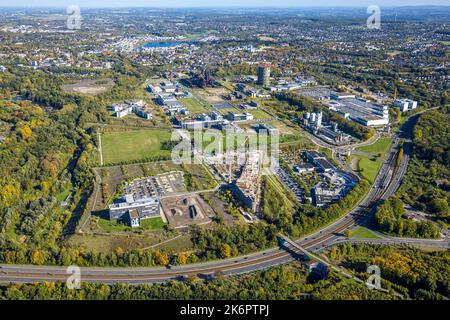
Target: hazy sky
{"x":211,"y":3}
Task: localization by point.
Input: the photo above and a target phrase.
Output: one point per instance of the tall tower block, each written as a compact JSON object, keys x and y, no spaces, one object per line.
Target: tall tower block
{"x":264,"y":75}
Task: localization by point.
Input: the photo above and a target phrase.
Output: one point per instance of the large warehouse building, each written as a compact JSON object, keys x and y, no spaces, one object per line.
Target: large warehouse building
{"x":360,"y":110}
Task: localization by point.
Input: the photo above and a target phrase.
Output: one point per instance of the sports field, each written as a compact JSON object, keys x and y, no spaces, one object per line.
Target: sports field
{"x":126,"y":146}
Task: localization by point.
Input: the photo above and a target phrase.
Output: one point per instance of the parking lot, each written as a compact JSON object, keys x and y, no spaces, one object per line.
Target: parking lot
{"x":317,"y":93}
{"x":156,"y":186}
{"x":291,"y":184}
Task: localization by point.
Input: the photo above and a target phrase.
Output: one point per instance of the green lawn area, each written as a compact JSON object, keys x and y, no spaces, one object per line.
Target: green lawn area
{"x":193,"y":105}
{"x":225,"y":111}
{"x":259,"y":114}
{"x":152,"y":224}
{"x":327,"y":152}
{"x":363,"y":233}
{"x":370,"y":165}
{"x":381,"y":146}
{"x":227,"y":85}
{"x":368,"y":168}
{"x":127,"y":146}
{"x":284,"y":197}
{"x":110,"y":226}
{"x":290,"y":138}
{"x":147,"y":224}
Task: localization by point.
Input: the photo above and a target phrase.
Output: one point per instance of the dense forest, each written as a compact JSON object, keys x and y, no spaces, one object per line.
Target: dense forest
{"x":413,"y":273}
{"x":390,"y":218}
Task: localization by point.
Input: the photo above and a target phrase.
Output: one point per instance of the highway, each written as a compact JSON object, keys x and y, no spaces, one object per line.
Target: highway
{"x":387,"y":182}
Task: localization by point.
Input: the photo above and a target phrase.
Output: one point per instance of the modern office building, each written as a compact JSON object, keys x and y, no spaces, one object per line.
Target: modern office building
{"x":133,"y":211}
{"x":320,"y":162}
{"x":405,"y":104}
{"x":137,"y":107}
{"x":237,"y":117}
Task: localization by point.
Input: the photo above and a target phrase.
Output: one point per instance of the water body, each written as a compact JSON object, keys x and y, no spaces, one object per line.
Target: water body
{"x":168,"y":44}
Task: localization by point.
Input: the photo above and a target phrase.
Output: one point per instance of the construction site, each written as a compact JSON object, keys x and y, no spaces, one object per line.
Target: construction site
{"x":242,"y":172}
{"x":183,"y":211}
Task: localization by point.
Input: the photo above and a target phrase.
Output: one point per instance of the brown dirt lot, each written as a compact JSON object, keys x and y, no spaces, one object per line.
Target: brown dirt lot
{"x":212,"y":95}
{"x":177,"y":211}
{"x":88,"y":87}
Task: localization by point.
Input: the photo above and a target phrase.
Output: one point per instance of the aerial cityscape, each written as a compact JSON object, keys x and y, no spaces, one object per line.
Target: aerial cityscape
{"x":194,"y":152}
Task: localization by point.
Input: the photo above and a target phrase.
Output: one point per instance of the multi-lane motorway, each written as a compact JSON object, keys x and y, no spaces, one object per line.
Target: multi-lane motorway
{"x":387,"y":182}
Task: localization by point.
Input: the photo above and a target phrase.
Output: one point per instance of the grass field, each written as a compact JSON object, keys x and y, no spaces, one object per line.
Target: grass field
{"x":260,"y":114}
{"x":127,"y":146}
{"x":369,"y":168}
{"x":363,"y":233}
{"x":147,"y":224}
{"x":370,"y":164}
{"x":193,"y":105}
{"x":225,"y":111}
{"x":152,"y":224}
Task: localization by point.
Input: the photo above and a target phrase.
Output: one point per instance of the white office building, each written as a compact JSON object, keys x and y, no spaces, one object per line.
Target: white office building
{"x":405,"y":104}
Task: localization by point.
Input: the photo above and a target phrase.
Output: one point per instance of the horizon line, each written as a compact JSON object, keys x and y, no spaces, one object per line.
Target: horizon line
{"x":219,"y":7}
